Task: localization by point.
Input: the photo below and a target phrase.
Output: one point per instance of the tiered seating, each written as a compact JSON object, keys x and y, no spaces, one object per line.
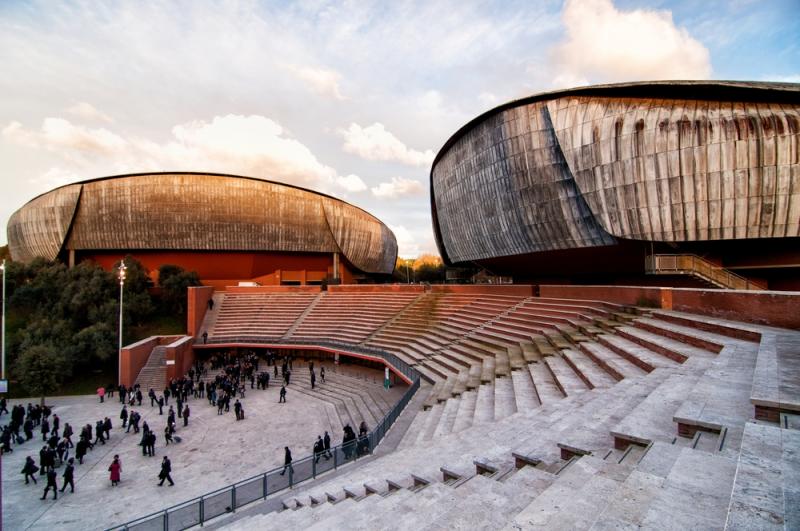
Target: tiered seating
{"x":607,"y":455}
{"x":350,"y":317}
{"x":258,"y":315}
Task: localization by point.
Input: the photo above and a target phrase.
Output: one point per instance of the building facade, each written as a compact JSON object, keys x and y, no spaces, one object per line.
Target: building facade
{"x":624,"y":182}
{"x":227,"y":228}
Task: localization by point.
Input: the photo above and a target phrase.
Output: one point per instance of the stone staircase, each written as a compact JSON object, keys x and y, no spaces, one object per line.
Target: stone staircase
{"x":582,"y":437}
{"x":154,"y":373}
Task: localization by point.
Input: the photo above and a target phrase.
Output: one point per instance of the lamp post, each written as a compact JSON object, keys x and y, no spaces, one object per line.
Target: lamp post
{"x":3,"y":332}
{"x":121,"y":277}
{"x":408,"y":272}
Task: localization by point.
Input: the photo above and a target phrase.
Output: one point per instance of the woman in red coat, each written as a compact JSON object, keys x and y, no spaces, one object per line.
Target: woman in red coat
{"x":116,"y":470}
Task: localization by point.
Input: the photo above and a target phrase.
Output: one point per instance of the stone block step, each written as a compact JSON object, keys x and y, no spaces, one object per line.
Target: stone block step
{"x":524,"y":391}
{"x":564,"y":377}
{"x":593,"y":375}
{"x":546,"y":389}
{"x":465,"y":412}
{"x":505,"y":403}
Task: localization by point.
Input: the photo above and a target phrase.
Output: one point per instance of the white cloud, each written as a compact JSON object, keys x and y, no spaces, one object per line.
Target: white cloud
{"x":87,"y":111}
{"x":412,"y":243}
{"x":374,"y":142}
{"x":249,"y":145}
{"x":58,"y":133}
{"x":605,"y":44}
{"x":398,"y":187}
{"x":321,"y":80}
{"x":351,"y":183}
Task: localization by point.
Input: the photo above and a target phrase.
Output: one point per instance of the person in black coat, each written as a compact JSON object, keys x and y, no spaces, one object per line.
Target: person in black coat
{"x":283,"y":395}
{"x":45,"y":429}
{"x":51,"y":483}
{"x":80,"y":449}
{"x":68,"y":476}
{"x":287,"y":461}
{"x":186,"y":415}
{"x":327,"y":442}
{"x":123,"y":415}
{"x":30,"y":469}
{"x":166,"y":468}
{"x":28,"y":428}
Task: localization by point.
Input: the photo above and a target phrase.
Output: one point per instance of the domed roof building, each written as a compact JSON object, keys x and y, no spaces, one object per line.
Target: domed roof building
{"x":227,"y":228}
{"x":698,"y":182}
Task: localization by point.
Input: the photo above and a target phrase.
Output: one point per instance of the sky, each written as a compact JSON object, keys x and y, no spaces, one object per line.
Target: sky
{"x":353,"y":99}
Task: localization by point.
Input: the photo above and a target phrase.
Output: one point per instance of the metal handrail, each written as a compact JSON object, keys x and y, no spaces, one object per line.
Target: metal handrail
{"x":697,"y":265}
{"x":348,"y":453}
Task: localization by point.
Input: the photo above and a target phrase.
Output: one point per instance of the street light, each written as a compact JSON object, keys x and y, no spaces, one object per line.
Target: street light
{"x":3,"y":332}
{"x":121,"y":276}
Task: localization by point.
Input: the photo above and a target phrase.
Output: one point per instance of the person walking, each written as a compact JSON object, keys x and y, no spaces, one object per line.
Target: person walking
{"x":101,"y":392}
{"x":116,"y":471}
{"x":322,"y":374}
{"x":327,"y":442}
{"x":319,"y":449}
{"x":51,"y":483}
{"x":283,"y":395}
{"x":185,"y":415}
{"x":287,"y":461}
{"x":313,"y":380}
{"x":166,"y":468}
{"x":160,"y":402}
{"x":152,"y":395}
{"x":30,"y":469}
{"x":68,"y":476}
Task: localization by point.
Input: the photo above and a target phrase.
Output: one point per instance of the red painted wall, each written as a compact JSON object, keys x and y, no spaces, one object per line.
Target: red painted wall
{"x":197,"y":305}
{"x":182,"y":354}
{"x":227,"y":268}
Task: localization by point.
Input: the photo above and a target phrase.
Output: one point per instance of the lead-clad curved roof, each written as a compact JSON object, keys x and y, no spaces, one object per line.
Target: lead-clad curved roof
{"x":193,"y":211}
{"x":662,"y":161}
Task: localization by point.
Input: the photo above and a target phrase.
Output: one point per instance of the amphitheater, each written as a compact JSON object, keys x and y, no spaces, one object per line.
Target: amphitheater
{"x":542,"y":411}
{"x":587,"y":395}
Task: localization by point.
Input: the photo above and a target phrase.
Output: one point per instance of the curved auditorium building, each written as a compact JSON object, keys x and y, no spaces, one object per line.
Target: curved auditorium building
{"x":678,"y":183}
{"x":227,"y":228}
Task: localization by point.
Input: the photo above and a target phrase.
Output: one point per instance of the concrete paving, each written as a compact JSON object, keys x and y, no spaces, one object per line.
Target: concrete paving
{"x":216,"y":451}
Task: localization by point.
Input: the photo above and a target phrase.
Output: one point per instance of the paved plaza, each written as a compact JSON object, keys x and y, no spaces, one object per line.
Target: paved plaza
{"x":216,"y":450}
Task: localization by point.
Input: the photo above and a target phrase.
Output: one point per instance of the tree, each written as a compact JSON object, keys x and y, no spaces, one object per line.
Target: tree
{"x":174,"y":283}
{"x":42,"y":369}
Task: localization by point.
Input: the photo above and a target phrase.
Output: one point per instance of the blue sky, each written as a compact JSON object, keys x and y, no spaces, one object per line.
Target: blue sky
{"x":349,"y":98}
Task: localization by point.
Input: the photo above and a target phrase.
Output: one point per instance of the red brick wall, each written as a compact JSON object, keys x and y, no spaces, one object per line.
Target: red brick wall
{"x":523,"y":290}
{"x":378,"y":288}
{"x":197,"y":305}
{"x":272,"y":289}
{"x":772,"y":308}
{"x":616,"y":294}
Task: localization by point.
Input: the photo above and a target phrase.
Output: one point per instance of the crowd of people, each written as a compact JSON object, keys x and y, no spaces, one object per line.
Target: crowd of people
{"x":233,"y":373}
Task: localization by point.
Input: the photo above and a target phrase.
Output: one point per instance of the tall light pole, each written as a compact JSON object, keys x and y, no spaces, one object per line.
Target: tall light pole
{"x":408,"y":272}
{"x":3,"y":332}
{"x":121,"y":277}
